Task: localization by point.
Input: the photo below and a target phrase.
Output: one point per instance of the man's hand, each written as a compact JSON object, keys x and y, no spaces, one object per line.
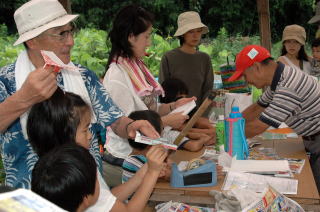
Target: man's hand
{"x":39,"y":86}
{"x":144,"y":127}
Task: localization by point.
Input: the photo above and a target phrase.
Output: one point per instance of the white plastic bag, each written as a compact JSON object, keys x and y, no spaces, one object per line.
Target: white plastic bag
{"x":242,"y":100}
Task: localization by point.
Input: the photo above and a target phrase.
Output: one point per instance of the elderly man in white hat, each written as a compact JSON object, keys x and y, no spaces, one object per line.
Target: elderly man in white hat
{"x":45,"y":25}
{"x":186,"y":63}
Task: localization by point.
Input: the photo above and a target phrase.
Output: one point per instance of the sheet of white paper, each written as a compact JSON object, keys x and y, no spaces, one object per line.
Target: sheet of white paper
{"x":260,"y":166}
{"x":186,"y":108}
{"x":164,"y":207}
{"x":210,"y":154}
{"x":51,"y":58}
{"x":149,"y":141}
{"x":257,"y":182}
{"x":283,"y":125}
{"x":245,"y":196}
{"x":225,"y":160}
{"x":292,"y":135}
{"x":26,"y":200}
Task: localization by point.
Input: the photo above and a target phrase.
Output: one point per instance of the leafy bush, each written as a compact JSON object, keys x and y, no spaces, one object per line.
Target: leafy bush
{"x":91,"y":50}
{"x":224,"y":47}
{"x":238,"y":17}
{"x":8,"y":52}
{"x":159,"y":46}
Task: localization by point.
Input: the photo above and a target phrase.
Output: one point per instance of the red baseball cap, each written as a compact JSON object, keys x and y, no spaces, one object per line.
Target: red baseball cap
{"x":246,"y":58}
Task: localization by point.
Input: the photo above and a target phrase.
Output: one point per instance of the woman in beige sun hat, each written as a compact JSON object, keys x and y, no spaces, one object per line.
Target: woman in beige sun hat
{"x":186,"y":63}
{"x":293,"y":52}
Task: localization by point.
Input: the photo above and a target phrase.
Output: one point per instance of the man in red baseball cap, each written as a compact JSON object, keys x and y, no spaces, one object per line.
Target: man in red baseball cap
{"x":247,"y":57}
{"x":291,"y":96}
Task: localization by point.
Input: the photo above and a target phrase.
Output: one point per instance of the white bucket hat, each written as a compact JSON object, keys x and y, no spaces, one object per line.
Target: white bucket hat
{"x":188,"y":21}
{"x":37,"y":16}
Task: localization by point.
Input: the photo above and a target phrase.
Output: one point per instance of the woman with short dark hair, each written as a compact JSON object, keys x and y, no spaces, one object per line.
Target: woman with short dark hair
{"x":130,"y":83}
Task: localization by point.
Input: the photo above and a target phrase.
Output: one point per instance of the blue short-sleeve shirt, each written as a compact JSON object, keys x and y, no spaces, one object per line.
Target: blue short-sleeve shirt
{"x":17,"y":154}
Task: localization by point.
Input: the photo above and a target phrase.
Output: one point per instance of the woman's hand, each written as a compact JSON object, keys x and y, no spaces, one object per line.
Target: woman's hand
{"x":174,"y":120}
{"x":183,"y":101}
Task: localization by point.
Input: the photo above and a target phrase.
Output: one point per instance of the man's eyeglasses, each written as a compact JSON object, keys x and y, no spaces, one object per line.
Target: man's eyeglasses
{"x":63,"y":36}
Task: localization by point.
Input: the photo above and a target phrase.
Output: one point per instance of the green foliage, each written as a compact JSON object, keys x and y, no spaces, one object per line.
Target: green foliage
{"x":8,"y":52}
{"x":237,"y":17}
{"x":224,"y":48}
{"x":159,"y":46}
{"x":91,"y":50}
{"x":256,"y":93}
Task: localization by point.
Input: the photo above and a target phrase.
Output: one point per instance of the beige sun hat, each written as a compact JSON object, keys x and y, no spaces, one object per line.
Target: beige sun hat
{"x":294,"y":32}
{"x":315,"y":18}
{"x":37,"y":16}
{"x":188,"y":21}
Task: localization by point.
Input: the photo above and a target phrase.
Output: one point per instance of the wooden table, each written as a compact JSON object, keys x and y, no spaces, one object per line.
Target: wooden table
{"x":291,"y":148}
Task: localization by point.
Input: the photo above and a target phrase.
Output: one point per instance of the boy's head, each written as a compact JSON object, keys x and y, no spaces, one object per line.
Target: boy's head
{"x":149,"y":115}
{"x":316,"y":49}
{"x":62,"y":118}
{"x":67,"y":176}
{"x":174,"y":89}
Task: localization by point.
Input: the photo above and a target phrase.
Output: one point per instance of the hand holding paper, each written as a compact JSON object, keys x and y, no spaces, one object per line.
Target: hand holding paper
{"x":186,"y":108}
{"x":146,"y":140}
{"x":51,"y":59}
{"x":182,"y":101}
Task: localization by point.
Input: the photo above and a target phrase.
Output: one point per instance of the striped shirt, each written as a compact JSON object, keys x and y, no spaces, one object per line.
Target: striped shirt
{"x":131,"y":165}
{"x":292,"y":98}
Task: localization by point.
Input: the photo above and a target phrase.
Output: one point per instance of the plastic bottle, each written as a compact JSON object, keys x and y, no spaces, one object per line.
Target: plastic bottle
{"x":220,"y":133}
{"x":236,"y":142}
{"x":217,"y":108}
{"x":217,"y":83}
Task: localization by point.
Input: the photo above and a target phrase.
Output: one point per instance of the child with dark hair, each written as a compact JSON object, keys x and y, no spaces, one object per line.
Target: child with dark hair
{"x":315,"y":61}
{"x":67,"y":120}
{"x":175,"y":89}
{"x":58,"y":120}
{"x":58,"y":174}
{"x":137,"y":157}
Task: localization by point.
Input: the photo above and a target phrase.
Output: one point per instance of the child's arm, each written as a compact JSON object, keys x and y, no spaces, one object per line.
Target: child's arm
{"x":196,"y":142}
{"x":203,"y":123}
{"x":174,"y":120}
{"x":165,"y":173}
{"x":123,"y":191}
{"x":156,"y":155}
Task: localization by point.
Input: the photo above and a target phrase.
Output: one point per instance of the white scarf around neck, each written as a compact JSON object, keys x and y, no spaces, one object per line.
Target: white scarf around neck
{"x":73,"y":82}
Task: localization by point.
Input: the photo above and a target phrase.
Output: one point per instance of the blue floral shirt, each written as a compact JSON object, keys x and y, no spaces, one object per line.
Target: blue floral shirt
{"x":17,"y":154}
